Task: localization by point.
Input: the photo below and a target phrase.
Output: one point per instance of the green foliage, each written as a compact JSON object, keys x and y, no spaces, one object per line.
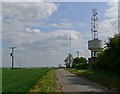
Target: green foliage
{"x":20,"y":80}
{"x":109,"y":59}
{"x":80,"y":63}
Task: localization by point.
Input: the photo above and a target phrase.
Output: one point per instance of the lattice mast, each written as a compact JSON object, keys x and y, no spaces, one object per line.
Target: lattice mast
{"x":70,"y":43}
{"x":94,"y":45}
{"x":94,"y":24}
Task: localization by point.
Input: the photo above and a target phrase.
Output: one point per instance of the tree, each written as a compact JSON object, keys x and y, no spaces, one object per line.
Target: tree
{"x":79,"y":63}
{"x":109,"y":59}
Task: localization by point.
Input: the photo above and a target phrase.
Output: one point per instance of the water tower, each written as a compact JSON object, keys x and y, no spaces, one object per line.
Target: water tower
{"x":95,"y":45}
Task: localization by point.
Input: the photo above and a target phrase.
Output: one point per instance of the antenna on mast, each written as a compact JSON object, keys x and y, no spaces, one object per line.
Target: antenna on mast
{"x":70,"y":43}
{"x":94,"y":24}
{"x":95,"y":45}
{"x":69,"y":59}
{"x":78,"y":54}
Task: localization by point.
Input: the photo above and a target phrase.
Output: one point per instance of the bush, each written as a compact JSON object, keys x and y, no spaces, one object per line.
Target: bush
{"x":109,"y":59}
{"x":80,"y":63}
{"x":81,"y":66}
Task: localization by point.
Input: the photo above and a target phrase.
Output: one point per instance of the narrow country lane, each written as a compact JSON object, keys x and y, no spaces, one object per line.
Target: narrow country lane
{"x":72,"y":83}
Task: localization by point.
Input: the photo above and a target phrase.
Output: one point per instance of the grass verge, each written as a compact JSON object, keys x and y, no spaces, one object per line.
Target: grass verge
{"x":46,"y":84}
{"x":109,"y":80}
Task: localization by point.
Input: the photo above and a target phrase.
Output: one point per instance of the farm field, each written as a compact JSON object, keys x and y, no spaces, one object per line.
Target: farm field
{"x":21,"y":80}
{"x":0,"y":80}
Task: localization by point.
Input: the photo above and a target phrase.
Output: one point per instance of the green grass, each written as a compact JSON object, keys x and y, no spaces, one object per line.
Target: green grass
{"x":46,"y":84}
{"x":20,"y":80}
{"x":107,"y":79}
{"x":0,"y":80}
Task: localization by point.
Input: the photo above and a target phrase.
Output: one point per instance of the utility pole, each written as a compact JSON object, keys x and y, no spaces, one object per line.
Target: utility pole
{"x":12,"y":56}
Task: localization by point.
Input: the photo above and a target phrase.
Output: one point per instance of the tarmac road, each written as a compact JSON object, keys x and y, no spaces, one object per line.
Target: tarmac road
{"x":72,"y":83}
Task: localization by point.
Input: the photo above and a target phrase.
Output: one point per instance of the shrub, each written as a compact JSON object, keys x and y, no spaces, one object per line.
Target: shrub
{"x":80,"y":63}
{"x":109,"y":59}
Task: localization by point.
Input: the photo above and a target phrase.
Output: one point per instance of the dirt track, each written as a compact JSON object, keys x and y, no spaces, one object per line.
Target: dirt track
{"x":72,"y":83}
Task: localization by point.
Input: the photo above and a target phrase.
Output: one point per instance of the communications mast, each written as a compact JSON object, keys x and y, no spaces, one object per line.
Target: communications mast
{"x":95,"y":45}
{"x":69,"y":59}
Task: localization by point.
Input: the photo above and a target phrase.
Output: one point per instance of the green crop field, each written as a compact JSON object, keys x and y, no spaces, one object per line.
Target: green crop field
{"x":0,"y":80}
{"x":21,"y":80}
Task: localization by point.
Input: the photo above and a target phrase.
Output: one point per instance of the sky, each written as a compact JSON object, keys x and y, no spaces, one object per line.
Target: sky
{"x":40,"y":31}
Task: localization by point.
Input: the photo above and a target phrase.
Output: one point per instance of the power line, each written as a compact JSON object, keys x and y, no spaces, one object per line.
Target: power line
{"x":110,"y":27}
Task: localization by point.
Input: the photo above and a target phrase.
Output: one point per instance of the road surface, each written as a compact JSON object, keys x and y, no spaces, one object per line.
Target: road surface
{"x":72,"y":83}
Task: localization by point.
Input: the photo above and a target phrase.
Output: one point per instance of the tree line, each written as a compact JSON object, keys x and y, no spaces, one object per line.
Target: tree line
{"x":107,"y":60}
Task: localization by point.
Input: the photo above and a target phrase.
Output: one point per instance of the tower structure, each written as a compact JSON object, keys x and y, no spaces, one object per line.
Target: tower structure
{"x":69,"y":59}
{"x":70,"y":43}
{"x":95,"y":45}
{"x":78,"y":54}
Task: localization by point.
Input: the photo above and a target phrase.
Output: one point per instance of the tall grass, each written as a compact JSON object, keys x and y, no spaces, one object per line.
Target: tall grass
{"x":46,"y":84}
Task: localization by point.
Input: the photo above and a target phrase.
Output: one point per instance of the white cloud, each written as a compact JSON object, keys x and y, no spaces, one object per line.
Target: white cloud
{"x":16,"y":16}
{"x":44,"y":48}
{"x":33,"y":44}
{"x":65,"y":34}
{"x":61,"y":25}
{"x":112,"y":11}
{"x":32,"y":31}
{"x":82,"y":24}
{"x":28,"y":11}
{"x":35,"y":35}
{"x":109,"y":26}
{"x":65,"y":25}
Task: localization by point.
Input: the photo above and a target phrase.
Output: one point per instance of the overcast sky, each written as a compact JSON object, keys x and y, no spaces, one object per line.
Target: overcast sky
{"x":40,"y":31}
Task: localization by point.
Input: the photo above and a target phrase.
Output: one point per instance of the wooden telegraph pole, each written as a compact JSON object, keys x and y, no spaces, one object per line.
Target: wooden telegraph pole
{"x":12,"y":56}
